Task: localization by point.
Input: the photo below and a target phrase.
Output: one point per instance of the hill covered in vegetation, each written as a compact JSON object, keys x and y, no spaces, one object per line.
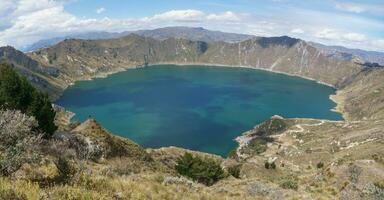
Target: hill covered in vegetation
{"x":278,"y":159}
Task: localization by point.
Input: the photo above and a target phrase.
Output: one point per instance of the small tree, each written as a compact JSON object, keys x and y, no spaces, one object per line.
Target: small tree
{"x":18,"y":94}
{"x":41,"y":108}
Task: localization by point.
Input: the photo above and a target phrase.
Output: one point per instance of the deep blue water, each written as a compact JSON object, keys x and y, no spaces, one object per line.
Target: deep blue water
{"x":199,"y":108}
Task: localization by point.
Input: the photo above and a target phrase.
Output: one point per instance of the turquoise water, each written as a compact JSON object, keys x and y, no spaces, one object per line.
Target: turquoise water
{"x":199,"y":108}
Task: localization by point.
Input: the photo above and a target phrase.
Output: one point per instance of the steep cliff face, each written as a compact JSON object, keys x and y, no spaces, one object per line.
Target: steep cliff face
{"x":283,"y":54}
{"x":84,"y":59}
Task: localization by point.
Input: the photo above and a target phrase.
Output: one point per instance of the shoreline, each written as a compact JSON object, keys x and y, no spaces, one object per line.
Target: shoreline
{"x":243,"y":67}
{"x":336,"y":98}
{"x":335,"y":109}
{"x":123,"y":69}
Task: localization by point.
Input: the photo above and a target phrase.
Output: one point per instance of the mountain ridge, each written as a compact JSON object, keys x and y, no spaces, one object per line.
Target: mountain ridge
{"x":201,"y":34}
{"x":84,"y":59}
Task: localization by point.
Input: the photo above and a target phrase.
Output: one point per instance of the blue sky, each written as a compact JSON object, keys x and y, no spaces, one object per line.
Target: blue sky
{"x":355,"y":24}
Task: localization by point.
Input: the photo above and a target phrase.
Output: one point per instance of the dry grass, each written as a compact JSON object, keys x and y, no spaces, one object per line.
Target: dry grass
{"x":19,"y":189}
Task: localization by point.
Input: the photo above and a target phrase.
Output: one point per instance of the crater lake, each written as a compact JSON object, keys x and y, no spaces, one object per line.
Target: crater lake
{"x":200,"y":108}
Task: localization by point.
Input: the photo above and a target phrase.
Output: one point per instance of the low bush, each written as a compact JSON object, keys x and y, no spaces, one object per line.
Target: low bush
{"x":19,"y":143}
{"x":203,"y":170}
{"x":67,"y":169}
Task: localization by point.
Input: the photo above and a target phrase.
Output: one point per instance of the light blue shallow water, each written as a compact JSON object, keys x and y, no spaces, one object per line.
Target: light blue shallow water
{"x":200,"y":108}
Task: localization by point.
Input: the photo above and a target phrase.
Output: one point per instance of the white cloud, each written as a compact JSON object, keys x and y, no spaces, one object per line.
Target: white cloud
{"x":100,"y":10}
{"x":377,"y":44}
{"x":23,"y":22}
{"x":178,"y":15}
{"x":297,"y":31}
{"x":350,"y":7}
{"x":229,"y":16}
{"x":27,"y":27}
{"x":328,"y":34}
{"x":355,"y":37}
{"x":331,"y":34}
{"x":376,"y":9}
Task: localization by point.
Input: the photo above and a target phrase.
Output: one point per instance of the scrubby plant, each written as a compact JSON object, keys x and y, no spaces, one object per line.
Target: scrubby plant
{"x":320,"y":165}
{"x":18,"y":94}
{"x":234,"y":170}
{"x":203,"y":170}
{"x":19,"y":141}
{"x":289,"y":182}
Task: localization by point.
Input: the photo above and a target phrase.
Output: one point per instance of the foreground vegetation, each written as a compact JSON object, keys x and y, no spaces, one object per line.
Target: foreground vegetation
{"x":18,"y":94}
{"x":280,"y":159}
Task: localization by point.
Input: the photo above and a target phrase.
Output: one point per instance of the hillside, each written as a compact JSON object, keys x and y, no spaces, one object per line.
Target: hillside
{"x":349,"y":54}
{"x":41,"y":76}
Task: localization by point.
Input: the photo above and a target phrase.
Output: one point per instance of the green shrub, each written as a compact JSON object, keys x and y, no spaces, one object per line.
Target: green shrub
{"x":289,"y":182}
{"x":67,"y":169}
{"x":258,"y":145}
{"x":18,"y":94}
{"x":320,"y":165}
{"x":206,"y":171}
{"x":234,"y":171}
